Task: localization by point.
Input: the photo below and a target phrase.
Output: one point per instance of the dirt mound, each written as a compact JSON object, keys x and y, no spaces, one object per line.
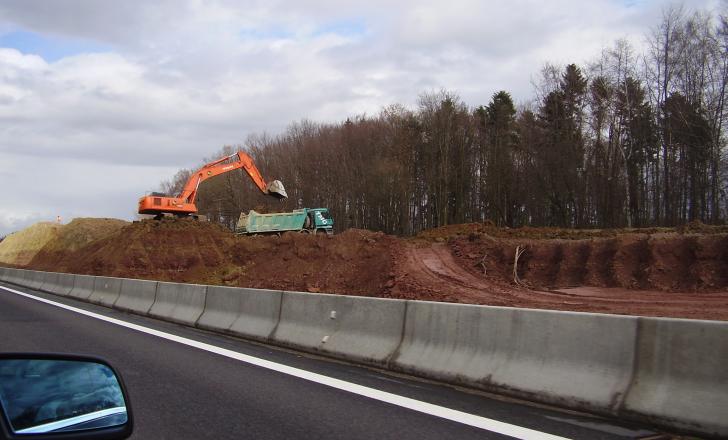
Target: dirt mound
{"x":76,"y":235}
{"x":19,"y":248}
{"x":354,"y":262}
{"x":178,"y":250}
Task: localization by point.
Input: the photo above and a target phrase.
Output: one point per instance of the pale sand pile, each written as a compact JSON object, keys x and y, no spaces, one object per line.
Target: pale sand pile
{"x":20,"y":247}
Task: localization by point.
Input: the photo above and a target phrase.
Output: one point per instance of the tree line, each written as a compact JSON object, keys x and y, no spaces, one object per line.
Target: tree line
{"x":628,"y":140}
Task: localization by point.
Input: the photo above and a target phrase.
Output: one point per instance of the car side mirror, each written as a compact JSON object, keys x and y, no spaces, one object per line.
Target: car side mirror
{"x":61,"y":397}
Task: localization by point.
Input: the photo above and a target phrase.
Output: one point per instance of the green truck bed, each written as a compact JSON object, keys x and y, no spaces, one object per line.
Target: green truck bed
{"x":311,"y":220}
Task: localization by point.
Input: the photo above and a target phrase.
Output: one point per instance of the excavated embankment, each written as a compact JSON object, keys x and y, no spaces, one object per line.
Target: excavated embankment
{"x":655,"y":272}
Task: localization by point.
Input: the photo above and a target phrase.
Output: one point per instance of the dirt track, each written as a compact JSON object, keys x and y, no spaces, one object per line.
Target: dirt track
{"x":431,"y":271}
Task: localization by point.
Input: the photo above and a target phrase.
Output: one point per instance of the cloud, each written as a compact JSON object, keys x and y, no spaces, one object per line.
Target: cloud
{"x":156,"y":86}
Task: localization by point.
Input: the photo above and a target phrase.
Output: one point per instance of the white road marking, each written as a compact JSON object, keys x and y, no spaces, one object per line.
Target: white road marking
{"x":372,"y":393}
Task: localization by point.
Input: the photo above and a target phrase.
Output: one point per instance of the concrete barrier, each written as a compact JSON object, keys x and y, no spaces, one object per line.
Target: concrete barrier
{"x":34,"y":279}
{"x":14,"y":276}
{"x":83,"y":287}
{"x":357,"y":328}
{"x":681,"y":376}
{"x":579,"y":360}
{"x":21,"y":276}
{"x":10,"y":274}
{"x":106,"y":291}
{"x":6,"y":273}
{"x":63,"y":284}
{"x":183,"y":303}
{"x":670,"y":372}
{"x":28,"y":278}
{"x":251,"y":313}
{"x":49,"y":279}
{"x":136,"y":295}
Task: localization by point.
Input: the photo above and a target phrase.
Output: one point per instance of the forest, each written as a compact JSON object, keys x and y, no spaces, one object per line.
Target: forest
{"x":626,"y":140}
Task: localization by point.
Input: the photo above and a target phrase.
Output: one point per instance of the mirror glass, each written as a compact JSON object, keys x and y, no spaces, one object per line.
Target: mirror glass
{"x":46,"y":395}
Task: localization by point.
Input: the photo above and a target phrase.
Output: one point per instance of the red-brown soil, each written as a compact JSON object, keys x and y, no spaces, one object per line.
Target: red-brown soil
{"x":654,"y":272}
{"x":442,"y":272}
{"x":356,"y":262}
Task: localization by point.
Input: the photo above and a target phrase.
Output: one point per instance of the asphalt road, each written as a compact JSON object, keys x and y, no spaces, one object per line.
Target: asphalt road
{"x":181,"y":392}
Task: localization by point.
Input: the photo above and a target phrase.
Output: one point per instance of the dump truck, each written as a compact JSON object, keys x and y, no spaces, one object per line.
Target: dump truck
{"x":305,"y":220}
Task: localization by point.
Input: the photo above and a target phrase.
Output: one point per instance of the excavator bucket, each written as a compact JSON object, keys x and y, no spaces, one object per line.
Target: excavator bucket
{"x":275,"y":189}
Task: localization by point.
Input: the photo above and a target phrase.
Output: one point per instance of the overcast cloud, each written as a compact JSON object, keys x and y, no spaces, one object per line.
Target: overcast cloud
{"x":101,"y":100}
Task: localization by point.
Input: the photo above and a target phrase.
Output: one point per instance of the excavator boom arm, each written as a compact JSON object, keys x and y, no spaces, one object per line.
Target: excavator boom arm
{"x":220,"y":166}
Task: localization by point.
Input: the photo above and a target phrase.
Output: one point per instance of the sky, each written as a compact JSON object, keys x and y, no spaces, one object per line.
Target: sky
{"x":101,"y":100}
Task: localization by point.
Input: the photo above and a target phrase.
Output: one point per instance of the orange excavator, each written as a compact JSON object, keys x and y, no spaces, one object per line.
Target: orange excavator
{"x":183,"y":205}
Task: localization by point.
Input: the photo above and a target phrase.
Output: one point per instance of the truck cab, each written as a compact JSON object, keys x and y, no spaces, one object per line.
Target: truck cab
{"x":319,"y":220}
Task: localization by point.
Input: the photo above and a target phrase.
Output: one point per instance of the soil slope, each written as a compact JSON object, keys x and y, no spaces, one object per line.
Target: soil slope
{"x":77,"y":234}
{"x":665,"y":261}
